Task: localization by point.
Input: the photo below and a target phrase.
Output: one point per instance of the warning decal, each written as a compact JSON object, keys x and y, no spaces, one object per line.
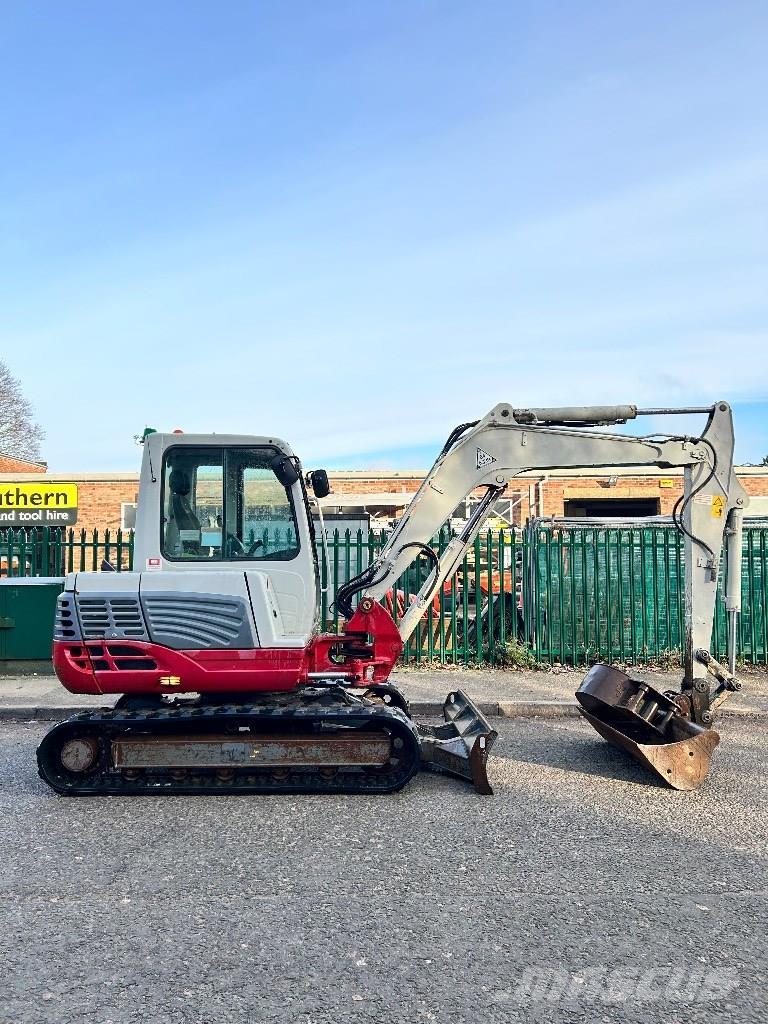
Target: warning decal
{"x":718,"y":506}
{"x":484,"y":459}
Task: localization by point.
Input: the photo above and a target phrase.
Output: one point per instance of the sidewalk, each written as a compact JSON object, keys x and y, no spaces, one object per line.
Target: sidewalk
{"x":497,"y":692}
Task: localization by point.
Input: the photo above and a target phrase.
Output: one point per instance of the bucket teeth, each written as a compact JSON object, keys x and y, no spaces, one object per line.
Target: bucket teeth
{"x":634,"y":716}
{"x":461,"y":746}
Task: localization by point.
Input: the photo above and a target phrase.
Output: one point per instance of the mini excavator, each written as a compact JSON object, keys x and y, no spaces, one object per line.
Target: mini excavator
{"x":227,"y":684}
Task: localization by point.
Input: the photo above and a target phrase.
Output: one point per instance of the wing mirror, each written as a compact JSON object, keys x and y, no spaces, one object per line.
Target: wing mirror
{"x":285,"y":471}
{"x":318,"y":481}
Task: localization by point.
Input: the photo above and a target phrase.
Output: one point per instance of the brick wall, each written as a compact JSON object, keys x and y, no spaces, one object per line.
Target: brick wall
{"x":757,"y":485}
{"x":556,"y":492}
{"x":100,"y":495}
{"x":100,"y":501}
{"x":348,"y":483}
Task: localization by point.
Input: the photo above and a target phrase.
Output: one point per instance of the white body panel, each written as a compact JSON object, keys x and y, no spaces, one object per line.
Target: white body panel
{"x":275,"y":628}
{"x":280,"y":606}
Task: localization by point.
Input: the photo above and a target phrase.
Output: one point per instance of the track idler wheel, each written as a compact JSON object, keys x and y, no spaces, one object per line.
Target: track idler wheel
{"x":648,"y":724}
{"x":72,"y":757}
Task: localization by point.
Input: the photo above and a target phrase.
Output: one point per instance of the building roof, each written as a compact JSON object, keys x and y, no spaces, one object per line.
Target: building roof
{"x":14,"y":464}
{"x":8,"y":476}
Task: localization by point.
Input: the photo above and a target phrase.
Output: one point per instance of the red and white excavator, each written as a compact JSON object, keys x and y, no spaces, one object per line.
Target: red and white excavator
{"x":227,"y":683}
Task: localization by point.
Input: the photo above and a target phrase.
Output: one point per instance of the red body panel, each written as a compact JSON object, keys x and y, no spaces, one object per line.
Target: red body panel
{"x":365,"y":652}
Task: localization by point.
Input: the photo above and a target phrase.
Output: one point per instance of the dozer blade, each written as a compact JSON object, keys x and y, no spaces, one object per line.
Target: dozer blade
{"x":635,"y":716}
{"x":461,"y":746}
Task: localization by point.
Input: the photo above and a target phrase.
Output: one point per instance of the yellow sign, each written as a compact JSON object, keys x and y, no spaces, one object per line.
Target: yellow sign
{"x":718,"y":506}
{"x":48,"y":503}
{"x":666,"y":483}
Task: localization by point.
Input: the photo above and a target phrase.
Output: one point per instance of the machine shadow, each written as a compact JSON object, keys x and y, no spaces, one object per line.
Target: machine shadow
{"x":591,"y":756}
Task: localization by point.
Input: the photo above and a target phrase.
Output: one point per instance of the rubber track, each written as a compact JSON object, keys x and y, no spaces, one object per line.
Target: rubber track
{"x":108,"y":725}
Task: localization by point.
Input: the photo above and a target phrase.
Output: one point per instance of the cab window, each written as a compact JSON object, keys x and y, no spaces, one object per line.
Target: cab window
{"x":225,"y":504}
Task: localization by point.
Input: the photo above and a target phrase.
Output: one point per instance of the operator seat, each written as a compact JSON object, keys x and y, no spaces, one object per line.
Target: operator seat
{"x":181,"y":514}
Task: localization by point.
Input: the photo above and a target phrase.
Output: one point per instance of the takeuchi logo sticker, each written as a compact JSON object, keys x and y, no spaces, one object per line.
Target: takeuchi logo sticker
{"x":484,"y":459}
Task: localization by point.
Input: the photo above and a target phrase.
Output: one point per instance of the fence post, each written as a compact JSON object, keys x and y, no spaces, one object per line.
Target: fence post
{"x":335,"y":580}
{"x":572,"y":596}
{"x":501,"y":549}
{"x":465,"y":608}
{"x":491,"y":653}
{"x":21,"y":538}
{"x":750,"y":606}
{"x":762,"y":591}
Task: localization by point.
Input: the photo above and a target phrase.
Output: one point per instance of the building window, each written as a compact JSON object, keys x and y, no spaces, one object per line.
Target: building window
{"x":598,"y":508}
{"x":127,"y":515}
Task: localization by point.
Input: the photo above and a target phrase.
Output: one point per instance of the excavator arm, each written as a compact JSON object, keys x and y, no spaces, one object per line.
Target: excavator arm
{"x":508,"y":442}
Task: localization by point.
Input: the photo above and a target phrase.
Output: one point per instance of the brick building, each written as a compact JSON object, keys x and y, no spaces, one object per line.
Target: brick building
{"x":109,"y":499}
{"x":10,"y":464}
{"x":637,"y":491}
{"x":577,"y":493}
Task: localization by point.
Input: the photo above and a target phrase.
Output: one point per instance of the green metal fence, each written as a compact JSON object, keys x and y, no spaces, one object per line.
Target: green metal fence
{"x":616,"y":593}
{"x":565,"y":593}
{"x":53,"y":551}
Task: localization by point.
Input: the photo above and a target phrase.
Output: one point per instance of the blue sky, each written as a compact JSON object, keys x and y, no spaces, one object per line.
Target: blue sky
{"x":356,"y":224}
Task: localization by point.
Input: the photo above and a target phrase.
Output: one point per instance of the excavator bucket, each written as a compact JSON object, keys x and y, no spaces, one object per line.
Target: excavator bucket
{"x":635,"y":716}
{"x":461,"y":746}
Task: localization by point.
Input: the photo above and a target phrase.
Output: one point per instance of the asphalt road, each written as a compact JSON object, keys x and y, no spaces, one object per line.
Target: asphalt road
{"x":580,"y":891}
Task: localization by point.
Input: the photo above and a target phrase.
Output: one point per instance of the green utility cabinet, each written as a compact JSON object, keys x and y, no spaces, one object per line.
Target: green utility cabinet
{"x":27,"y":608}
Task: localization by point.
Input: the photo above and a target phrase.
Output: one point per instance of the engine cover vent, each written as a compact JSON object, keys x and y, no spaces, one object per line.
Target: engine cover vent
{"x":114,"y":616}
{"x":190,"y":621}
{"x":65,"y":624}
